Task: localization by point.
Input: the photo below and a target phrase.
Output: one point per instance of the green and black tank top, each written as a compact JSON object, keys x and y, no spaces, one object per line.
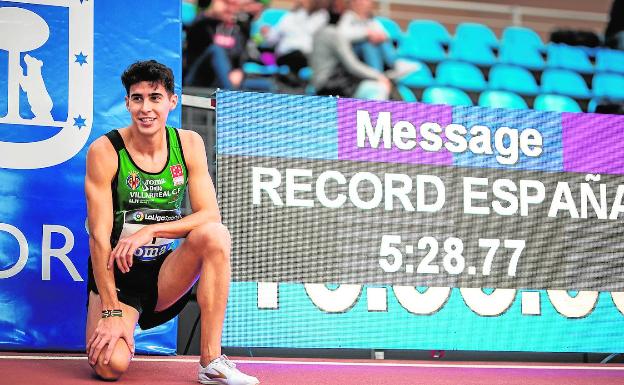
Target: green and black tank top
{"x":142,"y":198}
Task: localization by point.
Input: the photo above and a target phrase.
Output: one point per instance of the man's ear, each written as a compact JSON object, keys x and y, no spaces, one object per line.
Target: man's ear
{"x":174,"y":102}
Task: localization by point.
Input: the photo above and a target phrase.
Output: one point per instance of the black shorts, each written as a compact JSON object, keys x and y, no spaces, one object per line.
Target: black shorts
{"x":139,"y":288}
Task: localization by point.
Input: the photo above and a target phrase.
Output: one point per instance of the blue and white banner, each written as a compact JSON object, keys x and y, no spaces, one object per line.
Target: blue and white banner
{"x":60,"y":88}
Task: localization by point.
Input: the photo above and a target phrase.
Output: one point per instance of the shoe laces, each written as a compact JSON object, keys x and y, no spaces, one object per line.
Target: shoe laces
{"x":227,"y":361}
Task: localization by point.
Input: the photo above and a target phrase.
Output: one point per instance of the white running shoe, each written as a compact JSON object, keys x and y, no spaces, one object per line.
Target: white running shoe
{"x":222,"y":371}
{"x":402,"y":68}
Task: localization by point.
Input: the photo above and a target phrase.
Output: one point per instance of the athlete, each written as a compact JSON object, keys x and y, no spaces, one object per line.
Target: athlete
{"x":136,"y":180}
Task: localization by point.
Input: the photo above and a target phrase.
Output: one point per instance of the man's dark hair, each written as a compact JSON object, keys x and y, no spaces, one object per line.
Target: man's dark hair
{"x":149,"y":71}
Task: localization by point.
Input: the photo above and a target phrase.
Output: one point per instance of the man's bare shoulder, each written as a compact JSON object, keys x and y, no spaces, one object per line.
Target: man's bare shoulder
{"x":192,"y":144}
{"x":101,"y":145}
{"x":194,"y":151}
{"x":190,"y":138}
{"x":101,"y":156}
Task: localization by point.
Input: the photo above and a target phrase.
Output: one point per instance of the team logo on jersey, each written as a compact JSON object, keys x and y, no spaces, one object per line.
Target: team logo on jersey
{"x":178,"y":174}
{"x":139,"y":216}
{"x":46,"y":86}
{"x":133,"y":180}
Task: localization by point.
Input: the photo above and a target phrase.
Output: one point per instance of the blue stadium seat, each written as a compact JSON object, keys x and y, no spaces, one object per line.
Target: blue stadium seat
{"x":568,"y":57}
{"x":608,"y":85}
{"x":460,"y":75}
{"x":559,"y":103}
{"x":252,"y":68}
{"x":511,"y":78}
{"x":420,"y":77}
{"x":269,"y":17}
{"x":564,"y":82}
{"x":610,"y":60}
{"x":430,"y":29}
{"x":392,"y":28}
{"x":406,"y":94}
{"x":189,"y":11}
{"x":501,"y":99}
{"x":473,"y":52}
{"x":422,"y":48}
{"x":446,"y":95}
{"x":527,"y":56}
{"x":593,"y":103}
{"x":521,"y":36}
{"x":475,"y":33}
{"x":424,"y":40}
{"x":305,"y":73}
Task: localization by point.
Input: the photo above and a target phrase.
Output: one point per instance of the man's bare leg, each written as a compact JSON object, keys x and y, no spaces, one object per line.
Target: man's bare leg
{"x":120,"y":360}
{"x":205,"y":254}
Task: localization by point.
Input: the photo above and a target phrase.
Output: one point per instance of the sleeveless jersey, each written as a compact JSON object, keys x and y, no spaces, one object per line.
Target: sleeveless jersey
{"x":141,"y":198}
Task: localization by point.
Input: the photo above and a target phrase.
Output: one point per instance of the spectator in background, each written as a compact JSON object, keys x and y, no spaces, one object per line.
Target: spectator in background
{"x":202,"y":5}
{"x":254,"y":8}
{"x":216,"y":49}
{"x":251,"y":7}
{"x":250,"y":10}
{"x":336,"y":70}
{"x":368,"y":37}
{"x":336,"y":9}
{"x":292,"y":36}
{"x":614,"y":34}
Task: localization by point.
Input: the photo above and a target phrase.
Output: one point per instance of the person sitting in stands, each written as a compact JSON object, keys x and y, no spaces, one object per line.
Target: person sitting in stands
{"x":336,"y":70}
{"x":292,"y":36}
{"x":216,"y":49}
{"x":368,"y":37}
{"x":614,"y":33}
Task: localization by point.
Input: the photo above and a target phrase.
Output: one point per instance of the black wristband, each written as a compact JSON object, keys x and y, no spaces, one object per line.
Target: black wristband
{"x":112,"y":313}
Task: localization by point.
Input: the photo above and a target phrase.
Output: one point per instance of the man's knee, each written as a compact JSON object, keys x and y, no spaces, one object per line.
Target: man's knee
{"x":118,"y":365}
{"x":211,"y":240}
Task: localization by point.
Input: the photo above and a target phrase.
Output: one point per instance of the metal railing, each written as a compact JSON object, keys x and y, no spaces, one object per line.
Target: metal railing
{"x":198,"y":114}
{"x":515,"y":13}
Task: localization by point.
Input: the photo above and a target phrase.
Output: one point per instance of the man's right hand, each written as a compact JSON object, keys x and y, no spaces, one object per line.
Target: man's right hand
{"x":123,"y":252}
{"x":107,"y":333}
{"x":236,"y":77}
{"x":375,"y":36}
{"x":386,"y":83}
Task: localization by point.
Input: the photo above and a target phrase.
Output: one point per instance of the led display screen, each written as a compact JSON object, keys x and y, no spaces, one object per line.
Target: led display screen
{"x":391,"y":225}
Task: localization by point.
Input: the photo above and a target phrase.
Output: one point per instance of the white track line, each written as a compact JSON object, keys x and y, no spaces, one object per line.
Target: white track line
{"x":321,"y":363}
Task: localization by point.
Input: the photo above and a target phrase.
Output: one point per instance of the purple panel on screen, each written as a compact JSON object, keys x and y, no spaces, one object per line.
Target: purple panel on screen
{"x":415,"y":113}
{"x":593,"y":143}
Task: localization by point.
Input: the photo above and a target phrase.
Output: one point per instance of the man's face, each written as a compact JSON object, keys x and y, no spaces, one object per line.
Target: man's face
{"x":362,"y":7}
{"x":226,"y":9}
{"x":149,"y":105}
{"x":306,"y":4}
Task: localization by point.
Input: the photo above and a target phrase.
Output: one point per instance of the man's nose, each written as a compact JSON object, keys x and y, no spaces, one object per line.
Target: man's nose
{"x":147,"y":105}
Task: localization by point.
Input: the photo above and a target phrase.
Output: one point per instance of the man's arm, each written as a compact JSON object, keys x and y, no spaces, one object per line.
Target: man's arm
{"x":351,"y":28}
{"x":101,"y":168}
{"x":202,"y":196}
{"x":352,"y":63}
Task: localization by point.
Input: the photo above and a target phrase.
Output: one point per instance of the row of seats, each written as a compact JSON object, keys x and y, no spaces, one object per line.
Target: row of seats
{"x":493,"y":99}
{"x":507,"y":81}
{"x":517,"y":79}
{"x":476,"y":43}
{"x":428,"y":40}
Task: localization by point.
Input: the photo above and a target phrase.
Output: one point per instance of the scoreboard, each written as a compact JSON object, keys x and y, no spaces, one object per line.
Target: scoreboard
{"x":392,"y":225}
